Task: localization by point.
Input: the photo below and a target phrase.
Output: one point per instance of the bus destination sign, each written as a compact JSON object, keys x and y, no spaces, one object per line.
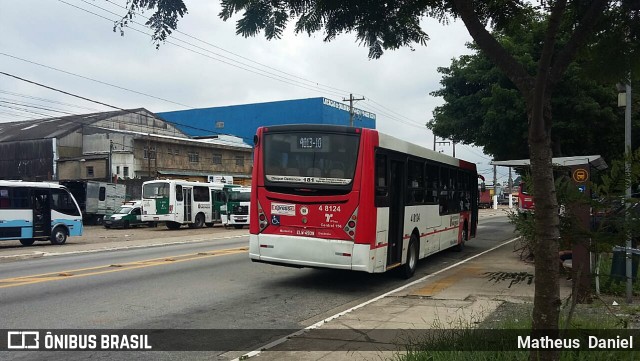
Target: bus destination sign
{"x":310,"y":142}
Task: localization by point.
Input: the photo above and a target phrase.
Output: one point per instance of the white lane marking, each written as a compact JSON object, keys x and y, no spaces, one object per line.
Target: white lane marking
{"x":320,"y":323}
{"x":105,"y":249}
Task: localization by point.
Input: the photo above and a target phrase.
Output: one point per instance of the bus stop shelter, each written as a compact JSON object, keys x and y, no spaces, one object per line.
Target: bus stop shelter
{"x":580,"y":168}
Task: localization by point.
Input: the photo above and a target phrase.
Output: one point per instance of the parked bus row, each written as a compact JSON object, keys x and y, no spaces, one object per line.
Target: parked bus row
{"x":37,"y":211}
{"x":196,"y":204}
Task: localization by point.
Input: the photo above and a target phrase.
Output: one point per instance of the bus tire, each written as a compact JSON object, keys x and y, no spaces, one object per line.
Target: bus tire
{"x":27,"y":241}
{"x":409,"y":267}
{"x":173,"y":225}
{"x":238,"y":226}
{"x":460,"y":246}
{"x":199,"y":221}
{"x":59,"y":235}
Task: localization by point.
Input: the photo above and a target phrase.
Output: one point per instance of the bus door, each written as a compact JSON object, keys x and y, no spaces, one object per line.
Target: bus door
{"x":41,"y":207}
{"x":188,"y":201}
{"x":396,"y":210}
{"x":474,"y":206}
{"x":217,"y":200}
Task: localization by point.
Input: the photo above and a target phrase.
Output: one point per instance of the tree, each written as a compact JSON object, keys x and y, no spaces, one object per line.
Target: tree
{"x":579,"y":25}
{"x":483,"y":107}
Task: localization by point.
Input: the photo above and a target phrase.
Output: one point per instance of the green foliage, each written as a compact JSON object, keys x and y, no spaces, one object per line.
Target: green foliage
{"x":483,"y":107}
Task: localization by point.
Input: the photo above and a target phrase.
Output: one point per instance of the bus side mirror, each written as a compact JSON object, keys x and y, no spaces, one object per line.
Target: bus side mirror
{"x":483,"y":188}
{"x":256,"y":140}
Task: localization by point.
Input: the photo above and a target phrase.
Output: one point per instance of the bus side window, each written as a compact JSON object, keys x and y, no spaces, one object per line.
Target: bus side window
{"x":179,"y":193}
{"x":415,"y":181}
{"x":62,"y":202}
{"x":200,"y":194}
{"x":443,"y":199}
{"x":381,"y":181}
{"x":5,"y":202}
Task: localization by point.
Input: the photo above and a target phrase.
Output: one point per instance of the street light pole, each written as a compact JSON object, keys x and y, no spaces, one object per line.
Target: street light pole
{"x":627,"y":152}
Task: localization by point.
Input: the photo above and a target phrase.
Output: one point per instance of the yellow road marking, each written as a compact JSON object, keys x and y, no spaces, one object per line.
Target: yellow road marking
{"x":92,"y":271}
{"x":446,"y":282}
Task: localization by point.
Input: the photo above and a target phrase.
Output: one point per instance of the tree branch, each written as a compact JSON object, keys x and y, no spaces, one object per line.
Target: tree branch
{"x":577,"y":40}
{"x":540,"y":124}
{"x":492,"y":48}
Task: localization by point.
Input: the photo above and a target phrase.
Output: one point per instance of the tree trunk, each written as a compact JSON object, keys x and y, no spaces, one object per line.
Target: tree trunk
{"x":546,"y":306}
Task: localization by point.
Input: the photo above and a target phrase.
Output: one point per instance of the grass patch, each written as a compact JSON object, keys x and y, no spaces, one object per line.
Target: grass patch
{"x":495,"y":338}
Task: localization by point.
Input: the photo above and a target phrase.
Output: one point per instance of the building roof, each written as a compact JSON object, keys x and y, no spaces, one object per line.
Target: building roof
{"x":229,"y":141}
{"x":54,"y":127}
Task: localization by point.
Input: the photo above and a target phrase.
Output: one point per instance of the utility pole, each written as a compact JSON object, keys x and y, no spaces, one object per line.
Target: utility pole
{"x":444,"y":142}
{"x":495,"y":187}
{"x":351,"y":100}
{"x":110,"y":172}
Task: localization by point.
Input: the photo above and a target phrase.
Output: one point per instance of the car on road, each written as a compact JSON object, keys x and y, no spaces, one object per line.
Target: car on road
{"x":129,"y":215}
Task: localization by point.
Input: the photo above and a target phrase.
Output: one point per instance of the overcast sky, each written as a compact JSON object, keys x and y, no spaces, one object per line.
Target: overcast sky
{"x":219,"y":68}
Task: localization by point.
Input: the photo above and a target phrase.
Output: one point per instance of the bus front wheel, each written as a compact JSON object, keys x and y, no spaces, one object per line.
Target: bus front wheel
{"x":58,"y":236}
{"x":27,"y":241}
{"x":409,"y":268}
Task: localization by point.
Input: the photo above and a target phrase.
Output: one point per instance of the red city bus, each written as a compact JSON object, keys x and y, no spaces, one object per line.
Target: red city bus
{"x":525,"y":199}
{"x":352,"y":198}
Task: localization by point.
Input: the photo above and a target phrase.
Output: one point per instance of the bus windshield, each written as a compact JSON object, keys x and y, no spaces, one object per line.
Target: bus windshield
{"x":240,"y":196}
{"x":155,"y":190}
{"x":312,"y":158}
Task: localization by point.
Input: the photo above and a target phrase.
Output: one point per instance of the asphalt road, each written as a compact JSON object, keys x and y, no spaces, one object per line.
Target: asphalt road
{"x":204,"y":285}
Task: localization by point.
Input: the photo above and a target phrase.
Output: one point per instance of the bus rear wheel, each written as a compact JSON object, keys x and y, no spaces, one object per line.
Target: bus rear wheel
{"x":199,"y":221}
{"x":173,"y":225}
{"x":27,"y":241}
{"x":58,"y":236}
{"x":238,"y":226}
{"x":460,"y":246}
{"x":409,"y":268}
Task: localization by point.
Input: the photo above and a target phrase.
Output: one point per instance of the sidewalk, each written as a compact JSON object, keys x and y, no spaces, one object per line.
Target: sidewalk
{"x":460,"y":296}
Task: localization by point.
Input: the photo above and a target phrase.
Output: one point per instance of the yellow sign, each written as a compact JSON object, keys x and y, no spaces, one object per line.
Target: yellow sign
{"x":580,"y":175}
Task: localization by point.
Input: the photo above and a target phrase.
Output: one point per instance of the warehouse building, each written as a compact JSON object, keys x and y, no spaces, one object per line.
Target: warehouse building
{"x":243,"y":120}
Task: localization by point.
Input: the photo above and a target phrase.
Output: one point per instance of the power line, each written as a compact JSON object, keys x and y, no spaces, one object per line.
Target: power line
{"x":245,"y":67}
{"x":223,"y":49}
{"x":91,"y":79}
{"x":107,"y":105}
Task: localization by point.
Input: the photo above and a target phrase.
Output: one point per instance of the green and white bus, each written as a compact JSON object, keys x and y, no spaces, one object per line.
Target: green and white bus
{"x":178,"y":202}
{"x":237,"y":207}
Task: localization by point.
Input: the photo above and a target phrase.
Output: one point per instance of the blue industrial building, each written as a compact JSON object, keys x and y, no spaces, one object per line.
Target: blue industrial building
{"x":243,"y":120}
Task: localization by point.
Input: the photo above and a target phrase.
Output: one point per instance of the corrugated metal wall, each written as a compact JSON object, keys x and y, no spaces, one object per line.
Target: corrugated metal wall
{"x":27,"y":160}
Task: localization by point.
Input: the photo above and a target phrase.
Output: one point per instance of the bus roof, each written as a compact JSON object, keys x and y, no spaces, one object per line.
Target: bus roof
{"x":19,"y":183}
{"x":185,"y":183}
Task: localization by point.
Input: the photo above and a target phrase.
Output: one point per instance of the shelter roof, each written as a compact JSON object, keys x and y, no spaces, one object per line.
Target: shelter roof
{"x":595,"y":161}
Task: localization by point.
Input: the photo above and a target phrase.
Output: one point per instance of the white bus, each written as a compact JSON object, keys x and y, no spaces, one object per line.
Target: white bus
{"x":178,"y":202}
{"x":34,"y":211}
{"x":236,"y":210}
